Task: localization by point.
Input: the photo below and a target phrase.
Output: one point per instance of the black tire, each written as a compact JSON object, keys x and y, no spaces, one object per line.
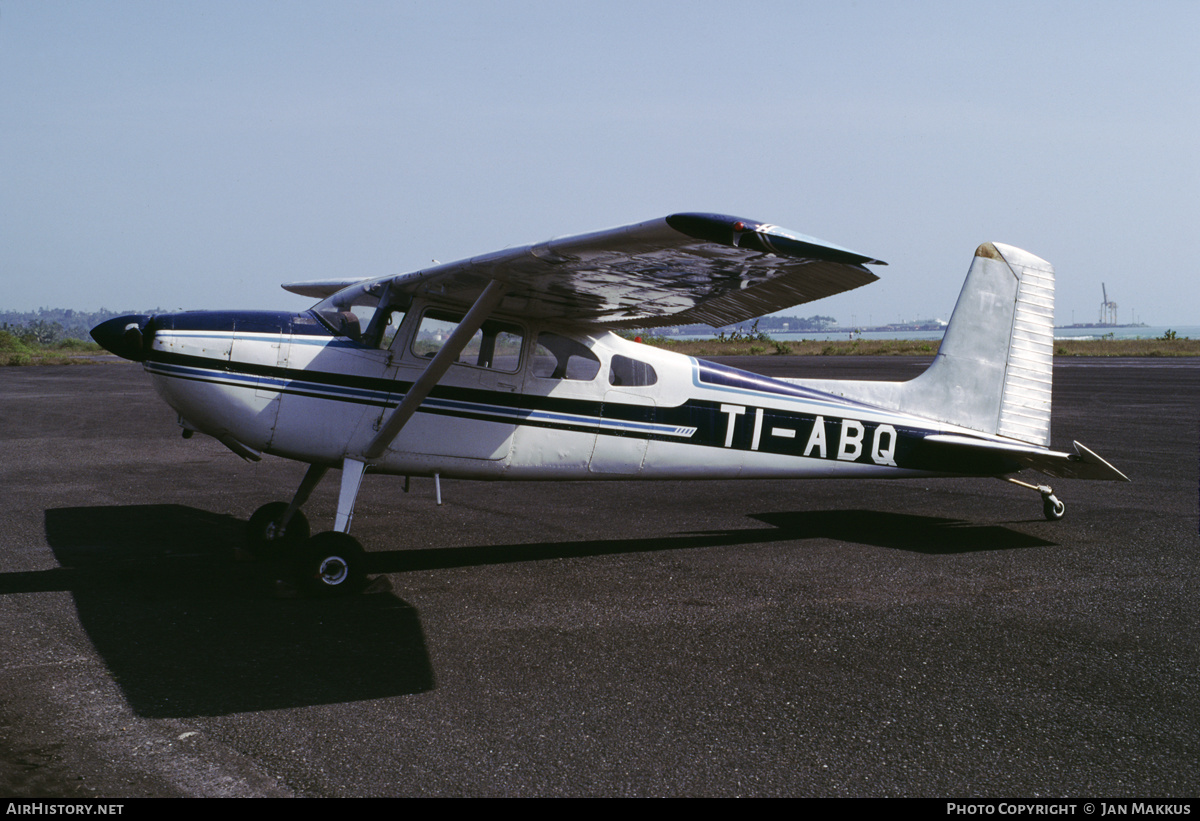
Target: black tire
{"x":332,"y":564}
{"x":1053,"y":509}
{"x":263,"y":537}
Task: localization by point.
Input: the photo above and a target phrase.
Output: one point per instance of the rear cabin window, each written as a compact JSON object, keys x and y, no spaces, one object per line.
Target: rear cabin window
{"x":631,"y":373}
{"x":496,"y":345}
{"x":557,"y":357}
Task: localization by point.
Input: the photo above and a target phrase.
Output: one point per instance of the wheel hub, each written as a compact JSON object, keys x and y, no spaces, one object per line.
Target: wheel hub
{"x":333,"y":570}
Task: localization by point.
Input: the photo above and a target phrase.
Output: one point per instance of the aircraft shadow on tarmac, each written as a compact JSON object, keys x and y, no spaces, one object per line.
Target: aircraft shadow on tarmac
{"x":187,"y":630}
{"x":896,"y":531}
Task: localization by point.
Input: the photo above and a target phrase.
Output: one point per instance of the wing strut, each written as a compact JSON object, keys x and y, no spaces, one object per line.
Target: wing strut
{"x":437,"y":367}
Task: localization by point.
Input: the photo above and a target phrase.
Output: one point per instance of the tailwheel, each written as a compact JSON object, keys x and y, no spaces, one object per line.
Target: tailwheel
{"x":267,"y":539}
{"x":1052,"y":508}
{"x":331,"y":564}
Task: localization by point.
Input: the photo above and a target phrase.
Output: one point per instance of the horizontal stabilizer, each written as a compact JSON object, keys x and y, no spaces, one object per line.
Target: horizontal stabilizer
{"x":1082,"y":464}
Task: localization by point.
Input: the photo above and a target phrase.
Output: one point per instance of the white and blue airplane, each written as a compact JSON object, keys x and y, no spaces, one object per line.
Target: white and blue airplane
{"x":506,"y":366}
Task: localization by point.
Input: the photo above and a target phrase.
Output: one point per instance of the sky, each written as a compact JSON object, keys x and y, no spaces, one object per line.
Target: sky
{"x":171,"y":155}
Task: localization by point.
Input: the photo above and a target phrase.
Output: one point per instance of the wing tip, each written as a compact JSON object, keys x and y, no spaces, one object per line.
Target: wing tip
{"x":320,"y":288}
{"x":737,"y":232}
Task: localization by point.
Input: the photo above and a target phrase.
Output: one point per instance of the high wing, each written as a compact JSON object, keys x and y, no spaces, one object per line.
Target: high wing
{"x":680,"y":269}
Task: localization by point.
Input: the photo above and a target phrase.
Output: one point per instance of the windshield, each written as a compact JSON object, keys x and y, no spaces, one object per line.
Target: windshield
{"x":352,"y":312}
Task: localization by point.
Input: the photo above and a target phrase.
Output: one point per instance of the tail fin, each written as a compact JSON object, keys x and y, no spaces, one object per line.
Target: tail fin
{"x":993,"y":371}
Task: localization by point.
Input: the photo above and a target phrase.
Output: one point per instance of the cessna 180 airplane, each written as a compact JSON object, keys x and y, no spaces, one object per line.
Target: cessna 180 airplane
{"x":506,"y":366}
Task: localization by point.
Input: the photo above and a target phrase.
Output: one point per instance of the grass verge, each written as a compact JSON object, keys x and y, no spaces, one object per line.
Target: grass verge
{"x":14,"y":351}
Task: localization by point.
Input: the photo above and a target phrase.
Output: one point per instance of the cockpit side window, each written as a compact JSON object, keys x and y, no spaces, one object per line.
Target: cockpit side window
{"x":631,"y":372}
{"x":496,"y":345}
{"x":390,"y":320}
{"x":557,"y":357}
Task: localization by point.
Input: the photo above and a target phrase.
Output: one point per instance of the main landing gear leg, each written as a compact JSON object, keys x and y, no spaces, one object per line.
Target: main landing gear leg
{"x":328,"y":564}
{"x":332,"y":563}
{"x":1052,"y":508}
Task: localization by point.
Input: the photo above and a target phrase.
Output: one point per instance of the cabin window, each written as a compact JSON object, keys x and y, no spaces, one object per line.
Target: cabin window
{"x":631,"y":373}
{"x":557,"y":357}
{"x":496,"y":345}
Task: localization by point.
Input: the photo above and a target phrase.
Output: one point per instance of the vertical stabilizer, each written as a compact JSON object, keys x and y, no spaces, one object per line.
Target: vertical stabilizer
{"x":993,"y":371}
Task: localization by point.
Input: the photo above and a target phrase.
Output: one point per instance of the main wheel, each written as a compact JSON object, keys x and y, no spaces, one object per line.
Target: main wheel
{"x":1052,"y":508}
{"x":266,"y":539}
{"x":332,"y":564}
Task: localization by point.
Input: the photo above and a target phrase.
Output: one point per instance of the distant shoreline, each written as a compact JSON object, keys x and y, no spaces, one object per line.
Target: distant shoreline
{"x":913,"y":347}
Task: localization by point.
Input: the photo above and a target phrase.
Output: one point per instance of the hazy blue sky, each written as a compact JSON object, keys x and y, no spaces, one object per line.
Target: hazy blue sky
{"x":196,"y":155}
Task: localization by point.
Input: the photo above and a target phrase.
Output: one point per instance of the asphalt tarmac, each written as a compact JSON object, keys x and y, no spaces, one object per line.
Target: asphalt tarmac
{"x":821,"y":638}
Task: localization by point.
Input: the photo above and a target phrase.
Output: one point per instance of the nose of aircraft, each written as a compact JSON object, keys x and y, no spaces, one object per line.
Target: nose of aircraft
{"x":123,"y":335}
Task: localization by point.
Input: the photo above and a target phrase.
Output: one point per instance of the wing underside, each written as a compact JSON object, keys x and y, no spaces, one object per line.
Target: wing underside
{"x":681,"y":269}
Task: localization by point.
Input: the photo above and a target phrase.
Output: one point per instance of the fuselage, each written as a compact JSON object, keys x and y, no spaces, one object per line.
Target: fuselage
{"x":529,"y":401}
